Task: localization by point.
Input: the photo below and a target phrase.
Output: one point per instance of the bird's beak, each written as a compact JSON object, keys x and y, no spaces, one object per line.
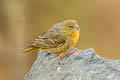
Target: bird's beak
{"x":76,"y":27}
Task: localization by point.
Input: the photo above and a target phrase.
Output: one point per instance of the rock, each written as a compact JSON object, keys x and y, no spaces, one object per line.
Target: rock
{"x":82,"y":65}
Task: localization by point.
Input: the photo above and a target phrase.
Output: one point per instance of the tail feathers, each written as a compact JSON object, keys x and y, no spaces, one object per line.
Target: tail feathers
{"x":26,"y":50}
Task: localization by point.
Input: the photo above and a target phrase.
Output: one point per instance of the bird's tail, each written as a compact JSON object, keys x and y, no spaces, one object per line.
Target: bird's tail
{"x":28,"y":49}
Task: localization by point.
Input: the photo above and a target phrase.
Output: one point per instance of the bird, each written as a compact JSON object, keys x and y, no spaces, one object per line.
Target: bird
{"x":58,"y":39}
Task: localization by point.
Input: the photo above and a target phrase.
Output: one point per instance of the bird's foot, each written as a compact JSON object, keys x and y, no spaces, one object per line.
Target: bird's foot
{"x":68,"y":53}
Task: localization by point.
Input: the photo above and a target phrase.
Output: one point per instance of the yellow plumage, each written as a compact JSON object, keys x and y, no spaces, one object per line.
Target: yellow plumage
{"x":57,"y":39}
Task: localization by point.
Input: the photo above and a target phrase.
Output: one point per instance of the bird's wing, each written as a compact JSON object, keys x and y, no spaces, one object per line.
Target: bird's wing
{"x":50,"y":39}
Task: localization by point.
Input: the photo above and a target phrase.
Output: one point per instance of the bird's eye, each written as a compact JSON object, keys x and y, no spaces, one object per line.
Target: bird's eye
{"x":70,"y":26}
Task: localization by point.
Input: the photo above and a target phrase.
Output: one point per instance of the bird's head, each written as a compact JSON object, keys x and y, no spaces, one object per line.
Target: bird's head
{"x":70,"y":26}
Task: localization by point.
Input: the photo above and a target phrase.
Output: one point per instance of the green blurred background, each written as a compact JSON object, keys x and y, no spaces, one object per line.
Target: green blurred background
{"x":23,"y":20}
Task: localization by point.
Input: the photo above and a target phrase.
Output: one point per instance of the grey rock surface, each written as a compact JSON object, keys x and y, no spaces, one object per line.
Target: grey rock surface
{"x":83,"y":65}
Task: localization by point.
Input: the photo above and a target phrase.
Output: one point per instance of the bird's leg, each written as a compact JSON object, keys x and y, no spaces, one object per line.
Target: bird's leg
{"x":56,"y":54}
{"x":63,"y":54}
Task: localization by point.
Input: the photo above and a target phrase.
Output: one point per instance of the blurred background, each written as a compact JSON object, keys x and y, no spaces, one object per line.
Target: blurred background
{"x":23,"y":20}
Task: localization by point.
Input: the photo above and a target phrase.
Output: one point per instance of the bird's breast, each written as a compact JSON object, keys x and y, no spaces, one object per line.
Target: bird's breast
{"x":75,"y":37}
